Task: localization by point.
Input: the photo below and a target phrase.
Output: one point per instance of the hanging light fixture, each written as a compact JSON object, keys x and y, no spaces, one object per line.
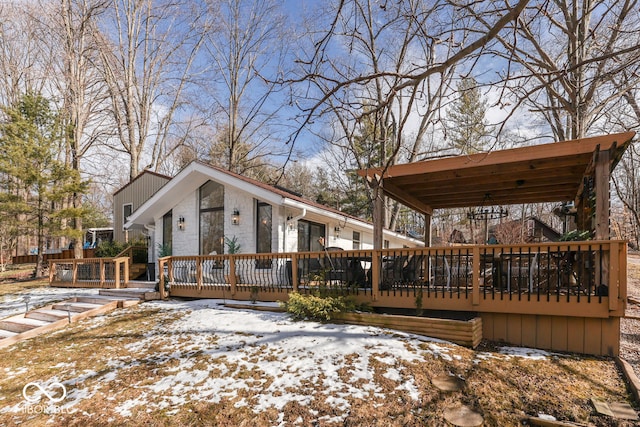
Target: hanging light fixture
{"x":485,"y":212}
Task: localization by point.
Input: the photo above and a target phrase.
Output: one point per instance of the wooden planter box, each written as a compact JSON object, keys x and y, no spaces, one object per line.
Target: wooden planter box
{"x":463,"y":332}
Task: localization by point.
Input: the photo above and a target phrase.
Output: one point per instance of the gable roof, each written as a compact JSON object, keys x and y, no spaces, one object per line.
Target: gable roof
{"x":141,"y":175}
{"x":196,"y":173}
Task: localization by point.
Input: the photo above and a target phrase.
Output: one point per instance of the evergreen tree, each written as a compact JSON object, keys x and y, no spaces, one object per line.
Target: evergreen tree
{"x":369,"y":147}
{"x":326,"y":192}
{"x":467,"y":127}
{"x":34,"y":182}
{"x":468,"y":131}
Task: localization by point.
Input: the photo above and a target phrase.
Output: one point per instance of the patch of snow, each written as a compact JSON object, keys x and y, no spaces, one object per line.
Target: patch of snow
{"x":13,"y":304}
{"x":124,"y":409}
{"x":269,"y":355}
{"x":546,"y":417}
{"x":9,"y":373}
{"x":206,"y":352}
{"x":524,"y":352}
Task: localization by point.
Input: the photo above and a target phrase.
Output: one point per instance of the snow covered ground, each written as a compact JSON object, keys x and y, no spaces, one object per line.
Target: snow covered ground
{"x":206,"y":352}
{"x":13,"y":304}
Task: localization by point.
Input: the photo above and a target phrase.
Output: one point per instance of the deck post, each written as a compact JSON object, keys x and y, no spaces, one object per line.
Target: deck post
{"x":622,"y":273}
{"x":232,"y":274}
{"x":125,"y":279}
{"x":170,"y":270}
{"x":161,"y":262}
{"x":614,"y":291}
{"x":375,"y":274}
{"x":294,"y":272}
{"x":74,"y":272}
{"x":199,"y":273}
{"x":52,"y":266}
{"x":103,"y":277}
{"x":116,"y":273}
{"x":475,"y":276}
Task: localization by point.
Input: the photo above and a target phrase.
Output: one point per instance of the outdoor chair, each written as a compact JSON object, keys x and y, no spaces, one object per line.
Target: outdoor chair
{"x":523,"y":269}
{"x":392,"y":271}
{"x":439,"y":271}
{"x":343,"y":268}
{"x":460,"y":270}
{"x":413,"y":270}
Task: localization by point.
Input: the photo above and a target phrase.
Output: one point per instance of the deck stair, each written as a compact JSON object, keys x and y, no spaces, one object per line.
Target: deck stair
{"x":137,"y":271}
{"x":144,"y":294}
{"x":142,"y":284}
{"x":58,"y":315}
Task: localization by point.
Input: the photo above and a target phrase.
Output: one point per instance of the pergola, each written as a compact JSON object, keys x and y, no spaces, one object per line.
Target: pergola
{"x":557,"y":172}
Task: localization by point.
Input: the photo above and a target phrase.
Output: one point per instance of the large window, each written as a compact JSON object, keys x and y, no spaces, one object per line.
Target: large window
{"x":211,"y":218}
{"x":263,"y":233}
{"x":167,"y":234}
{"x":309,"y":234}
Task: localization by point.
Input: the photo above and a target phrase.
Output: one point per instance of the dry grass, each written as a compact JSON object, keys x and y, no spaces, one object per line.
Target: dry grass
{"x":633,"y":275}
{"x":504,"y":388}
{"x":10,"y":287}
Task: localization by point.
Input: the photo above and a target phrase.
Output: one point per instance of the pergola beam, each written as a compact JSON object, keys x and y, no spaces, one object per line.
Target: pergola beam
{"x":534,"y":174}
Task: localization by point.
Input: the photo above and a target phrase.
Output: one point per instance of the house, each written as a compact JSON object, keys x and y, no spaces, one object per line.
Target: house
{"x":204,"y":206}
{"x":561,"y":296}
{"x":129,"y":198}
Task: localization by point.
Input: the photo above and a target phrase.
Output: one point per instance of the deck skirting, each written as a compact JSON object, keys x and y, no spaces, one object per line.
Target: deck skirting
{"x":586,"y":335}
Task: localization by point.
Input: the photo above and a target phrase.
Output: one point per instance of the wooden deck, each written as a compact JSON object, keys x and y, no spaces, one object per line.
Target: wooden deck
{"x":561,"y":296}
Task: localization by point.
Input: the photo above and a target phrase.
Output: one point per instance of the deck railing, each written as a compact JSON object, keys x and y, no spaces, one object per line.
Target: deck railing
{"x":136,"y":254}
{"x":89,"y":272}
{"x":470,"y":277}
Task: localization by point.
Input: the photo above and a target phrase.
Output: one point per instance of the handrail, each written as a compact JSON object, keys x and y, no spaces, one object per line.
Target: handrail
{"x":128,"y":252}
{"x":95,"y":275}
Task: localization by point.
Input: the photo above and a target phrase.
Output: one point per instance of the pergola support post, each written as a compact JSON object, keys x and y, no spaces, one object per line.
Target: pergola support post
{"x":378,"y":212}
{"x":602,"y":190}
{"x":427,"y":229}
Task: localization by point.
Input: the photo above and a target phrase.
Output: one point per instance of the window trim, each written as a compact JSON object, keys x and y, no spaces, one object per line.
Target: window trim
{"x":354,"y":240}
{"x":124,"y":215}
{"x":266,"y":263}
{"x":202,"y":210}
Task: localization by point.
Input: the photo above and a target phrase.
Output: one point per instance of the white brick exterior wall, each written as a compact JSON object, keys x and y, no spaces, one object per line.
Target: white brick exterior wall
{"x":284,"y":234}
{"x":185,"y":242}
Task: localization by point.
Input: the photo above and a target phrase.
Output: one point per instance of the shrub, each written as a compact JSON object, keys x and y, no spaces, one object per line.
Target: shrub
{"x":108,"y":249}
{"x":314,"y":307}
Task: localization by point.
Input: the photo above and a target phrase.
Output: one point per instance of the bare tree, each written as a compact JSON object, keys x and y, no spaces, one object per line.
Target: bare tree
{"x":25,"y":67}
{"x":626,"y":179}
{"x":576,"y":65}
{"x":398,"y":59}
{"x":564,"y":57}
{"x":70,"y":28}
{"x":246,"y":49}
{"x":23,"y":58}
{"x":148,"y":58}
{"x":627,"y":186}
